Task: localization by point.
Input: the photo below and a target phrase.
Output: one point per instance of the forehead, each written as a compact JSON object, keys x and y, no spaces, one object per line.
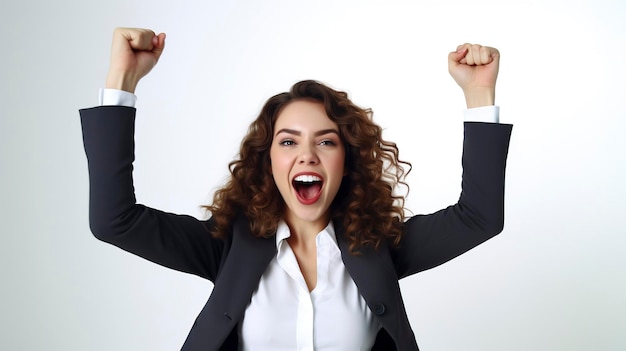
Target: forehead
{"x":304,"y":115}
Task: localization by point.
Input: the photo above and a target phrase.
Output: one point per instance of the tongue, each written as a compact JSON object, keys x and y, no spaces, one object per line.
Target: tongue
{"x":309,"y":191}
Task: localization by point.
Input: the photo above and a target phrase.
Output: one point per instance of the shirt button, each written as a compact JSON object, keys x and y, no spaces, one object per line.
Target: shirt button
{"x":379,"y":309}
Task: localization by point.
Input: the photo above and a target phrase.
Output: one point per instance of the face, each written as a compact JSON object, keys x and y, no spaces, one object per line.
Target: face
{"x":307,"y":158}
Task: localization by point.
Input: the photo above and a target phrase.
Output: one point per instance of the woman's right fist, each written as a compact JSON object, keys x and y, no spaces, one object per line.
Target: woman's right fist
{"x":134,"y":53}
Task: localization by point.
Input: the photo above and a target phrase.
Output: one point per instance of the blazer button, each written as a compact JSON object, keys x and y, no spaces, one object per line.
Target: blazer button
{"x":379,"y":309}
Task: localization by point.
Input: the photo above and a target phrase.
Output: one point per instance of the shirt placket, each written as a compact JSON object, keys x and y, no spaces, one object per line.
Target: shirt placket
{"x":305,"y":314}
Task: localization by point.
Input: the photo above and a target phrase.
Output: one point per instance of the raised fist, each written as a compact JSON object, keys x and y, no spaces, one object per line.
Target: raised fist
{"x":134,"y":53}
{"x":475,"y":69}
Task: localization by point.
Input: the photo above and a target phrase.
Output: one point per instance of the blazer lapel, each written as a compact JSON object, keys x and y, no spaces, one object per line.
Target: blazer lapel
{"x":374,"y":274}
{"x":239,"y":276}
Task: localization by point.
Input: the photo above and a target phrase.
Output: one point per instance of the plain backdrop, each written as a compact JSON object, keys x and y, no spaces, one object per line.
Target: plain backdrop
{"x":553,"y":280}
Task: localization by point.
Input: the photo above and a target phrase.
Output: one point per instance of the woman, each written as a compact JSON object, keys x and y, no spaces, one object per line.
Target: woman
{"x":307,"y":241}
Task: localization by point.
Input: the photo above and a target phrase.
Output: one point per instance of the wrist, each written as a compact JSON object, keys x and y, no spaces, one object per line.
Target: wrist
{"x":121,"y":81}
{"x":479,"y":97}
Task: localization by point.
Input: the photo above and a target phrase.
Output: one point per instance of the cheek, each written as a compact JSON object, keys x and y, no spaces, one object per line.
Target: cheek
{"x":338,"y":164}
{"x":277,"y":163}
{"x":338,"y":172}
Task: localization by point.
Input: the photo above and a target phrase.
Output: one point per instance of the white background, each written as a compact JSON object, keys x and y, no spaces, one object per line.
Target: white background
{"x":553,"y":280}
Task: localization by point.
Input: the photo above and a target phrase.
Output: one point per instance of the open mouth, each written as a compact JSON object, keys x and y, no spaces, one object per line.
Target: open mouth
{"x":308,"y":187}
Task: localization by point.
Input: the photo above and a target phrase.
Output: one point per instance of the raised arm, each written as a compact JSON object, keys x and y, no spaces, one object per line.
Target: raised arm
{"x":433,"y":239}
{"x":175,"y":241}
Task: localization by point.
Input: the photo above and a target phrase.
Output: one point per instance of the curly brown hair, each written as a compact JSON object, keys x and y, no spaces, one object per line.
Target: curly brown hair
{"x":366,"y":202}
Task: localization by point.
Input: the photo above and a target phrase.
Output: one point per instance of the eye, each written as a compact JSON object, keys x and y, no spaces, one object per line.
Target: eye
{"x":327,"y":142}
{"x":287,"y":142}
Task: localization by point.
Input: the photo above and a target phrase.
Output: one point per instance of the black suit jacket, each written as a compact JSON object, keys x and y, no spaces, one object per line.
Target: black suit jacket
{"x":236,"y":264}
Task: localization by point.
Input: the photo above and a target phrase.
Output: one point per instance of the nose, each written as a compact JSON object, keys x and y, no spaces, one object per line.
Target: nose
{"x":308,"y":156}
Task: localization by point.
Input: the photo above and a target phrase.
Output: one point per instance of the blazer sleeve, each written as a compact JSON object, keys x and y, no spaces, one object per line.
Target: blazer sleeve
{"x":430,"y":240}
{"x":176,"y":241}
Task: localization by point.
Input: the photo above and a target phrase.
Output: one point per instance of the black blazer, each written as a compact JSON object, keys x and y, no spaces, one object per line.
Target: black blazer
{"x":236,"y":264}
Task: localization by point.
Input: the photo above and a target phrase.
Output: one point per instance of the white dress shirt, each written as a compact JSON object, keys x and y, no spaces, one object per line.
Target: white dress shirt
{"x":283,"y":314}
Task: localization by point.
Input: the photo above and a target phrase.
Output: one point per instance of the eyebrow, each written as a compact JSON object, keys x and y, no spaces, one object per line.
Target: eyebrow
{"x":298,"y":133}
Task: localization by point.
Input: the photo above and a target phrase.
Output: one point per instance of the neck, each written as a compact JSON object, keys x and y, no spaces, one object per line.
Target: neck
{"x":303,"y":233}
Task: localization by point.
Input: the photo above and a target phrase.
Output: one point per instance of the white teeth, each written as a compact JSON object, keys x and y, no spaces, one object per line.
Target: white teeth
{"x":307,"y":178}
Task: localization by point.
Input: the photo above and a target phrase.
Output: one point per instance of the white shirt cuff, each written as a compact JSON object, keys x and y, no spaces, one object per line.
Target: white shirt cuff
{"x":486,"y":114}
{"x":114,"y":97}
